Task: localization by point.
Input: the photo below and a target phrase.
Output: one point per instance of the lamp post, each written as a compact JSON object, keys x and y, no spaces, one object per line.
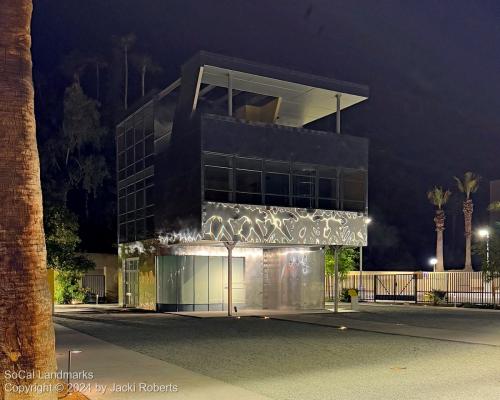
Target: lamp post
{"x":433,"y":261}
{"x":485,"y":234}
{"x":70,"y":352}
{"x":367,"y":220}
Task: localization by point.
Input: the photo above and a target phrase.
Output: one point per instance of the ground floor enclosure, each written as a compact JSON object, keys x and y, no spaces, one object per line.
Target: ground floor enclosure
{"x":195,"y":278}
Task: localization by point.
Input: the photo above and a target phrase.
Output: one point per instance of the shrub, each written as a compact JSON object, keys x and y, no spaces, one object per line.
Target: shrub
{"x":67,"y":288}
{"x":436,"y":296}
{"x":345,"y":296}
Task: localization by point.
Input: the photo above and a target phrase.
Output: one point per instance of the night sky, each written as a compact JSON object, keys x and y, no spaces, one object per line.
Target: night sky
{"x":432,"y":68}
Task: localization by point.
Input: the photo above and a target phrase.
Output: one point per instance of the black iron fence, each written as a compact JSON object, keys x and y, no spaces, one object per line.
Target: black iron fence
{"x":420,"y":287}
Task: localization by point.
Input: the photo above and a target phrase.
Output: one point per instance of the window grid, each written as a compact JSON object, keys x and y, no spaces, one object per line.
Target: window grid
{"x":335,"y":178}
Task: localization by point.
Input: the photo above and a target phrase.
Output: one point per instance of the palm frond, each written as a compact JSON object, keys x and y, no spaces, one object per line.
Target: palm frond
{"x":438,"y":196}
{"x":469,"y":184}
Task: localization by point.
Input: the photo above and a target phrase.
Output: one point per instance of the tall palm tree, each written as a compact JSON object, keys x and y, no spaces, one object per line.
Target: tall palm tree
{"x":125,"y":43}
{"x":468,"y":185}
{"x":144,"y":63}
{"x":26,"y":331}
{"x":439,"y":197}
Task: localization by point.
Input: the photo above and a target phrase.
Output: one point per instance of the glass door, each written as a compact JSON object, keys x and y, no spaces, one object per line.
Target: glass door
{"x":131,"y":282}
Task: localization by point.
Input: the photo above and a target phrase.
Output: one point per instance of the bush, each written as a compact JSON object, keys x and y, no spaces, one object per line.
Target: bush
{"x":345,"y":297}
{"x":436,"y":296}
{"x":67,"y":288}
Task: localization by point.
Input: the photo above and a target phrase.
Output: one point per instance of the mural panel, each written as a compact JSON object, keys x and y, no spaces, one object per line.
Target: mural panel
{"x":282,"y":225}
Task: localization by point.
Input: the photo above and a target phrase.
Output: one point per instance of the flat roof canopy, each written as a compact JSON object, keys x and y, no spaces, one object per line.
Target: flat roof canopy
{"x":304,"y":97}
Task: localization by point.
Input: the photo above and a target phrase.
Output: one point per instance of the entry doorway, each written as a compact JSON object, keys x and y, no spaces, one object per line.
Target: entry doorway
{"x":131,"y":282}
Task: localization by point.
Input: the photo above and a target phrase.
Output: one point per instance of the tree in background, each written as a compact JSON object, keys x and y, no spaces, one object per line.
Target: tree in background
{"x":468,"y":185}
{"x":144,"y":63}
{"x":439,"y":197}
{"x":26,"y":330}
{"x":348,"y":261}
{"x":62,"y":240}
{"x":72,"y":157}
{"x":125,"y":43}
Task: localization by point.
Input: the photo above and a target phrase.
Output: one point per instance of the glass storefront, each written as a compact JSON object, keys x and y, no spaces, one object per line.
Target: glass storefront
{"x":278,"y":278}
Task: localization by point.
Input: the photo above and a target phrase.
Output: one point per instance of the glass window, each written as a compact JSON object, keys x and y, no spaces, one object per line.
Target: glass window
{"x":248,"y":181}
{"x":130,"y":156}
{"x":149,"y":145}
{"x":186,"y":279}
{"x":122,"y":205}
{"x":129,"y":137}
{"x":277,"y":166}
{"x":303,"y":186}
{"x":139,"y":165}
{"x":139,"y":199}
{"x":274,"y":200}
{"x":215,"y":282}
{"x":139,"y":150}
{"x":148,"y":161}
{"x":303,"y":202}
{"x":201,"y":279}
{"x":150,"y":195}
{"x":327,"y":204}
{"x":248,"y":198}
{"x":140,"y":230}
{"x":139,"y":129}
{"x":131,"y":231}
{"x":358,"y":206}
{"x":277,"y":184}
{"x":215,"y":195}
{"x":354,"y":191}
{"x":217,"y":160}
{"x":130,"y":202}
{"x":248,"y":163}
{"x":327,"y":188}
{"x":218,"y":178}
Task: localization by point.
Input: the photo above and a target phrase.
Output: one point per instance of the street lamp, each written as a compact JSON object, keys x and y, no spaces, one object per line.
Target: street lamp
{"x":433,"y":261}
{"x":70,"y":352}
{"x":367,"y":221}
{"x":485,"y":234}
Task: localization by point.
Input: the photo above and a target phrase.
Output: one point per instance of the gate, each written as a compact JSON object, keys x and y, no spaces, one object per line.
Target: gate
{"x":95,"y":284}
{"x":395,"y":287}
{"x":131,"y":282}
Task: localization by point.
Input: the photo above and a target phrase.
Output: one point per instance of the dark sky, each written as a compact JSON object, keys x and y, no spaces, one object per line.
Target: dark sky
{"x":432,"y":67}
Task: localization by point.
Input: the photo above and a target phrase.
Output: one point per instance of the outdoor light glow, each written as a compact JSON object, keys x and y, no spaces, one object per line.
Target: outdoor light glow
{"x":343,"y":328}
{"x":76,"y":351}
{"x":433,"y":261}
{"x":368,"y":220}
{"x":484,"y":232}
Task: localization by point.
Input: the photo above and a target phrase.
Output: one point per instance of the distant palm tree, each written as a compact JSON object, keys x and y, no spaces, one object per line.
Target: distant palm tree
{"x":144,"y":63}
{"x":467,"y":186}
{"x":125,"y":43}
{"x":439,"y":197}
{"x":99,"y":63}
{"x":26,"y":330}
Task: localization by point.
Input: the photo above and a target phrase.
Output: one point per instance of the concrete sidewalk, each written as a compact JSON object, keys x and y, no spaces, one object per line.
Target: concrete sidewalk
{"x":114,"y":365}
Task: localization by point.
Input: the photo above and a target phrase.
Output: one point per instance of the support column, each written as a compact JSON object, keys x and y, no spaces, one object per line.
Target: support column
{"x":360,"y":286}
{"x":230,"y":246}
{"x":336,"y":275}
{"x":229,"y":95}
{"x":337,"y":113}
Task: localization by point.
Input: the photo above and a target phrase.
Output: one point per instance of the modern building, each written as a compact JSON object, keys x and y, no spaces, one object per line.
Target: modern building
{"x":222,"y":182}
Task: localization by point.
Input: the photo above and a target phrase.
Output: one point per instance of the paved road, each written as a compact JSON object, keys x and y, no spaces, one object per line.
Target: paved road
{"x":290,"y":360}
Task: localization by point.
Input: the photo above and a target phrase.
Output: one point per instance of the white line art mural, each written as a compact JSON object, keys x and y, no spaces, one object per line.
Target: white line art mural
{"x":282,"y":225}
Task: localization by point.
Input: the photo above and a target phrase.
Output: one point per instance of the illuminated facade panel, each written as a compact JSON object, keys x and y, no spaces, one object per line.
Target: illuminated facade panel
{"x":282,"y":225}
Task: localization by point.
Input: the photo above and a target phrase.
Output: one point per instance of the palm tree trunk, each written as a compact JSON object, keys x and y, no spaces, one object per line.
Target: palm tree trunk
{"x":126,"y":78}
{"x":439,"y":220}
{"x":468,"y":209}
{"x":26,"y":330}
{"x":143,"y":79}
{"x":98,"y":80}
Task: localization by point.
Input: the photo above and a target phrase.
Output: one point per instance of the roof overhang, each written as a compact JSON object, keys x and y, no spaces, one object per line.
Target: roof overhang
{"x":304,"y":97}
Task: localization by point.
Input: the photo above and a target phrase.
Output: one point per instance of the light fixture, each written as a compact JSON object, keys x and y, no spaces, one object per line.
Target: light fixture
{"x":368,"y":220}
{"x":433,"y":261}
{"x":483,"y":232}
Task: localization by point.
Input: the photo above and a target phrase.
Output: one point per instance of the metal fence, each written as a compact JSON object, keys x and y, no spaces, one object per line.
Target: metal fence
{"x":453,"y":287}
{"x":95,"y":284}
